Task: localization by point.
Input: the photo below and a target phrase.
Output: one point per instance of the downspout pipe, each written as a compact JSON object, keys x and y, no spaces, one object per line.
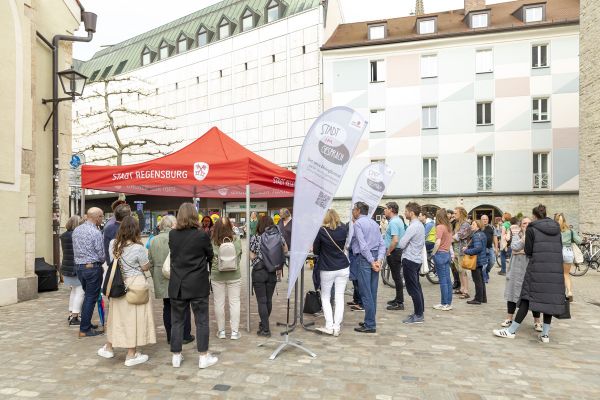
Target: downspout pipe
{"x":89,"y":21}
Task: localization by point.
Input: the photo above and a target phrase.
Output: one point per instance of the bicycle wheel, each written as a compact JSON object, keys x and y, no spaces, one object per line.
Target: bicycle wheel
{"x":581,"y":268}
{"x":386,"y":274}
{"x":432,"y":275}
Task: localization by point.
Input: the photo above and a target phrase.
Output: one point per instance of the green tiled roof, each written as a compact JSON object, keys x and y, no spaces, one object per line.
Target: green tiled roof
{"x":131,"y":49}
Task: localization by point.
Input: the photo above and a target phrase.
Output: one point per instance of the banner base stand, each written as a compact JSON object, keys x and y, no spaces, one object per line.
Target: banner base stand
{"x":287,"y":341}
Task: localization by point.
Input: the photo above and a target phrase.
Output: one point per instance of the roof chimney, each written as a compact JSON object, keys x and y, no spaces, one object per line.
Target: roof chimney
{"x":419,"y":8}
{"x":471,"y":5}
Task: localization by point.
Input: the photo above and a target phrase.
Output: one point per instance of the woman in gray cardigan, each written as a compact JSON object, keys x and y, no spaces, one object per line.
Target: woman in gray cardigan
{"x":516,"y":274}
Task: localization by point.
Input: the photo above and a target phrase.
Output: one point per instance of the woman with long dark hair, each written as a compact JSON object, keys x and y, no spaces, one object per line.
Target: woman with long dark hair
{"x":207,"y":225}
{"x":129,"y":325}
{"x":462,"y":233}
{"x":543,"y":288}
{"x":189,"y":283}
{"x":69,"y":272}
{"x":441,"y":257}
{"x":227,"y":282}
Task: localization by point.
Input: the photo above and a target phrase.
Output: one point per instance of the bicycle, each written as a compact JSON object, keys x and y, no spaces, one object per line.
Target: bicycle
{"x":591,"y":256}
{"x":386,"y":273}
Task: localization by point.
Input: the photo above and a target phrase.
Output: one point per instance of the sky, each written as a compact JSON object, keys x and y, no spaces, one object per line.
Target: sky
{"x":119,"y":20}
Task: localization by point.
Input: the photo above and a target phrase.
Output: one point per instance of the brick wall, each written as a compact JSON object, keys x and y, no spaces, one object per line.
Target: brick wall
{"x":589,"y":139}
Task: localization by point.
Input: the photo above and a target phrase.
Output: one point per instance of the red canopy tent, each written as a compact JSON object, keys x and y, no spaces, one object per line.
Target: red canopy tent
{"x":213,"y":166}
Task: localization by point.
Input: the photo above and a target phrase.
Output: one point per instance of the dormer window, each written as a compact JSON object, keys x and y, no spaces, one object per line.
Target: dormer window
{"x":225,"y":28}
{"x":377,"y":31}
{"x":274,"y":10}
{"x":203,"y":36}
{"x":183,"y":43}
{"x":534,"y":13}
{"x":147,"y":56}
{"x":480,"y":20}
{"x":164,"y":50}
{"x":248,"y":20}
{"x":426,"y":26}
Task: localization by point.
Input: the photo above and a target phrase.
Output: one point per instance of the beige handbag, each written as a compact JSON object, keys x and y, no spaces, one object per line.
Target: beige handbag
{"x":166,"y":267}
{"x":138,"y":294}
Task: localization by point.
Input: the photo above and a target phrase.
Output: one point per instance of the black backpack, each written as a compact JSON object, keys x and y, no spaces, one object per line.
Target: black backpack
{"x":271,"y":248}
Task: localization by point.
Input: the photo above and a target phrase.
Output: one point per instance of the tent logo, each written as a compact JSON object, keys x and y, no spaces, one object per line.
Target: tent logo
{"x":200,"y":170}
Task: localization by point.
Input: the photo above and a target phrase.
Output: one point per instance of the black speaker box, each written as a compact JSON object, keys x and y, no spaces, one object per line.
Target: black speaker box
{"x":47,"y":276}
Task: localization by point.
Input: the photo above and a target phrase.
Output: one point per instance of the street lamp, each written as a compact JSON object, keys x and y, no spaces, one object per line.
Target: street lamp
{"x":72,"y":82}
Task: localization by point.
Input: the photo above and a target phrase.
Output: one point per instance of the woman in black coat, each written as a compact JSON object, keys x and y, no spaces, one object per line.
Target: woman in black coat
{"x":544,"y":284}
{"x":67,"y":270}
{"x":190,"y":250}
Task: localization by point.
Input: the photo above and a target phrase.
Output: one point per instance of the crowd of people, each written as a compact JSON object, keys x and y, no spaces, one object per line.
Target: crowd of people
{"x":190,"y":258}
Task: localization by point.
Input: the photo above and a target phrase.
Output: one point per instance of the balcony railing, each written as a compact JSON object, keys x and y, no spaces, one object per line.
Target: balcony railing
{"x":484,"y":183}
{"x":430,"y":185}
{"x":540,"y":181}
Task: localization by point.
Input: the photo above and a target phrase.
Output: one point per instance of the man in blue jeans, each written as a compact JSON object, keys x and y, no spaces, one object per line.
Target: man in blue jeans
{"x":88,"y":248}
{"x":369,"y":249}
{"x":412,"y":244}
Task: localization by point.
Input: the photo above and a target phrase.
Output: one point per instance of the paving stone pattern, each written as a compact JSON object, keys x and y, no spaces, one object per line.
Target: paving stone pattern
{"x":452,"y":356}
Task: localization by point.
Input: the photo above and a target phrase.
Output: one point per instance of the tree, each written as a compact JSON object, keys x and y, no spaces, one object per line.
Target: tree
{"x":111,"y":124}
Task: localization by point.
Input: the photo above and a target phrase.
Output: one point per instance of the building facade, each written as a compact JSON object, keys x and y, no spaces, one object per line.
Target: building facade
{"x":250,"y":67}
{"x":589,"y":143}
{"x":26,"y":152}
{"x":475,"y":107}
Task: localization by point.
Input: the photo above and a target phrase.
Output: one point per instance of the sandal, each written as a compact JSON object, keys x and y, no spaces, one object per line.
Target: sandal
{"x":464,"y":296}
{"x":457,"y":291}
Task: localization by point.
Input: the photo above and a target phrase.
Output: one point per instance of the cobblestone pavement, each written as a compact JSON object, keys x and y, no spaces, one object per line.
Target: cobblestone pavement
{"x":452,"y":356}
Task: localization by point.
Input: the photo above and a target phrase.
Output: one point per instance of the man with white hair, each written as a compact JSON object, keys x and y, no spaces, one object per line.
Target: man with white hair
{"x":157,"y":253}
{"x":88,"y":248}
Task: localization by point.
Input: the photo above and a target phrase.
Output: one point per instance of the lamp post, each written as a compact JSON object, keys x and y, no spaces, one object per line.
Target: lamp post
{"x":73,"y":83}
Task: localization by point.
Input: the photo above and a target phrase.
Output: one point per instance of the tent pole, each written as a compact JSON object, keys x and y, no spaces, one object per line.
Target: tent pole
{"x":248,"y":256}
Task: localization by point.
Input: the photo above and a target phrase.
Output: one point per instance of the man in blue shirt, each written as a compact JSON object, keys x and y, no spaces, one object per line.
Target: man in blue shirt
{"x":369,"y":249}
{"x":412,"y":244}
{"x":393,"y":234}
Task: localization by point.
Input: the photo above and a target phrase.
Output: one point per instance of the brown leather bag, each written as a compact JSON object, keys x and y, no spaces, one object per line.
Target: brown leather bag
{"x":469,"y":262}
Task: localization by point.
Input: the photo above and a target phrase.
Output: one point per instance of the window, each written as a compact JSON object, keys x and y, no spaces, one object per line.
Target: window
{"x":106,"y":72}
{"x":247,"y":20}
{"x":273,"y":11}
{"x":539,"y":56}
{"x":480,"y":20}
{"x":484,"y":173}
{"x":540,"y":171}
{"x":120,"y":67}
{"x":484,"y":61}
{"x":377,"y":121}
{"x":534,"y":14}
{"x":224,"y":29}
{"x":540,"y":110}
{"x":426,"y":26}
{"x":202,"y":37}
{"x":429,"y":66}
{"x":429,"y":117}
{"x":182,"y":44}
{"x":163,"y":51}
{"x":484,"y":113}
{"x":378,"y":71}
{"x":94,"y":75}
{"x":377,"y":32}
{"x":430,"y":175}
{"x":273,"y":58}
{"x":146,"y":56}
{"x":303,"y":49}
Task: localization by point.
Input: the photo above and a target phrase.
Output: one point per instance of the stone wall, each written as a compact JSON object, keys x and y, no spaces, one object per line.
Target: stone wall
{"x":589,"y":136}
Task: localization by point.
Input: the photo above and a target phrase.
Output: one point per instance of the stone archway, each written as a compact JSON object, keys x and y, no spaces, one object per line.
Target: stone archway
{"x":490,"y":210}
{"x":430,"y":208}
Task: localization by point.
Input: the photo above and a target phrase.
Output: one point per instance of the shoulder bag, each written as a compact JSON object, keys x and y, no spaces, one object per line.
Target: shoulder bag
{"x":137,"y":293}
{"x":424,"y":270}
{"x":166,"y":267}
{"x":335,"y":244}
{"x":113,"y":285}
{"x":577,"y":254}
{"x":469,"y":261}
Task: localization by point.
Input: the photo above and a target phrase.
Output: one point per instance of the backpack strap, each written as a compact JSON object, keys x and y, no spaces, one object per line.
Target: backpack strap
{"x":112,"y":276}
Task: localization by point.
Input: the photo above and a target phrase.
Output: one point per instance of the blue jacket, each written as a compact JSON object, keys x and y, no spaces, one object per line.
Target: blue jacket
{"x":478,"y":247}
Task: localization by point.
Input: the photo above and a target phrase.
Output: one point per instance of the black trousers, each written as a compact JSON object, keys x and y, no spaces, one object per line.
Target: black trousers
{"x":356,"y":293}
{"x":263,"y":283}
{"x":522,"y":313}
{"x":410,"y":269}
{"x":187,"y":326}
{"x":511,"y":307}
{"x":200,"y":309}
{"x":455,"y":278}
{"x":394,"y":260}
{"x":480,"y":293}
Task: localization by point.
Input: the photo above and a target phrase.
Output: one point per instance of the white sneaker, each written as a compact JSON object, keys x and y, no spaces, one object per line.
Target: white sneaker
{"x":336,"y":332}
{"x":138,"y":359}
{"x":207,"y":360}
{"x":506,"y":323}
{"x":438,"y":307}
{"x":324,"y":330}
{"x":504,"y":333}
{"x":221,"y":335}
{"x":103,"y":352}
{"x":176,"y":360}
{"x":235,"y":335}
{"x":447,"y":307}
{"x":538,"y":327}
{"x":544,"y":338}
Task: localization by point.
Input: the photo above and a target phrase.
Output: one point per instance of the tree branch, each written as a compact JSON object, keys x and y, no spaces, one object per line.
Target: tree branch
{"x":139,"y":112}
{"x":100,"y":146}
{"x":140,"y":127}
{"x":93,"y":132}
{"x":145,"y":142}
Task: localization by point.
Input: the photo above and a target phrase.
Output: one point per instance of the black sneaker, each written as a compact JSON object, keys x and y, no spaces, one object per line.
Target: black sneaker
{"x":396,"y":307}
{"x":362,"y":329}
{"x":264,"y":333}
{"x":75,"y":321}
{"x":392,"y":302}
{"x":189,"y":340}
